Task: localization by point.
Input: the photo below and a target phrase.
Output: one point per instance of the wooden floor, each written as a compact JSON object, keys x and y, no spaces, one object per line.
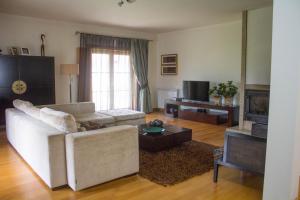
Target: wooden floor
{"x":18,"y":181}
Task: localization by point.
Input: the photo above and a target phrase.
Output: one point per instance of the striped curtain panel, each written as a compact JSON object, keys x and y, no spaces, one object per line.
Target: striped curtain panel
{"x":139,"y":60}
{"x":89,"y":42}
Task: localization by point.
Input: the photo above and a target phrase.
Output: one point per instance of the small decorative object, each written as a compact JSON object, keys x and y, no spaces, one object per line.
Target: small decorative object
{"x":25,"y":51}
{"x":156,"y":123}
{"x":14,"y":51}
{"x":228,"y":90}
{"x":87,"y":126}
{"x":43,"y":36}
{"x":19,"y":87}
{"x":169,"y":64}
{"x":216,"y":95}
{"x":154,"y":130}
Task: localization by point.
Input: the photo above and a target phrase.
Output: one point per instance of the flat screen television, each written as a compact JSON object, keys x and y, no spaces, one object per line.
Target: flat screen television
{"x":196,"y":90}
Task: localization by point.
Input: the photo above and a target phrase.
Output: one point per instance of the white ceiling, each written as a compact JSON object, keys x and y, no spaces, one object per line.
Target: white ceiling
{"x":144,"y":15}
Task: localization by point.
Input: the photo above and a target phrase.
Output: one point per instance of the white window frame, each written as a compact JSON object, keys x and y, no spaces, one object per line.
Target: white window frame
{"x":111,"y":54}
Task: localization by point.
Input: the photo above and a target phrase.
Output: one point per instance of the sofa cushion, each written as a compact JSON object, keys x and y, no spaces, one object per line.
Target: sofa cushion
{"x":133,"y":122}
{"x":74,"y":108}
{"x":34,"y":112}
{"x":98,"y":118}
{"x":21,"y":105}
{"x":124,"y":114}
{"x":27,"y":107}
{"x":60,"y":120}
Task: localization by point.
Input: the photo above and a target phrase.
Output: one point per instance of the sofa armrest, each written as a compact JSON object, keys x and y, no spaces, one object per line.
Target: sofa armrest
{"x":40,"y":145}
{"x":98,"y":156}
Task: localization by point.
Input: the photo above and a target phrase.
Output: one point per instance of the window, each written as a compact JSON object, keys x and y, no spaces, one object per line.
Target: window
{"x":101,"y":81}
{"x":111,"y":80}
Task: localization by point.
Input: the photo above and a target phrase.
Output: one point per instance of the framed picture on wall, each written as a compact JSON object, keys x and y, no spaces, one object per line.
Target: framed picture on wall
{"x":169,"y":59}
{"x":169,"y":64}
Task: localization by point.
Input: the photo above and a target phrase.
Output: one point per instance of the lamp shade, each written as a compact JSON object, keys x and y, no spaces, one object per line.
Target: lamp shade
{"x":69,"y":69}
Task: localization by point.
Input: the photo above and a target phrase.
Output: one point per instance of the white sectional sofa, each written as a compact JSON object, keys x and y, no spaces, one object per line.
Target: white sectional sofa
{"x":61,"y":155}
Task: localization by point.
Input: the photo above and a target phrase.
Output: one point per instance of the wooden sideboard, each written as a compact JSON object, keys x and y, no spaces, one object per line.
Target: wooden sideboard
{"x":36,"y":73}
{"x":203,"y":112}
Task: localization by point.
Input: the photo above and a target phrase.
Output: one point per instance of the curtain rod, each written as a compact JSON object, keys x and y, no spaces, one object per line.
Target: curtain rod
{"x":78,"y":32}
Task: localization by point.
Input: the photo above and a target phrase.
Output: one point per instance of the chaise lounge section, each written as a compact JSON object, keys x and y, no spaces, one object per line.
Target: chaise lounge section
{"x":85,"y":111}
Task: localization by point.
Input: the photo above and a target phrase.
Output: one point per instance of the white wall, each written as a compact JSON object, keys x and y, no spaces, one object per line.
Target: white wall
{"x":259,"y":45}
{"x":213,"y":53}
{"x":152,"y":71}
{"x":283,"y":147}
{"x":61,"y":42}
{"x":210,"y":53}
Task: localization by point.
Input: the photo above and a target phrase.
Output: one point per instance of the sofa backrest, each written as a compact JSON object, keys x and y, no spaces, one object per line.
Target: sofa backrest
{"x":73,"y":108}
{"x":60,"y":120}
{"x":245,"y":151}
{"x":27,"y":107}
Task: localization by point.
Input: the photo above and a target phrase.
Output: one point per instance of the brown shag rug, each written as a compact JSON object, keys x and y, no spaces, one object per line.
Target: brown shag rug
{"x":177,"y":164}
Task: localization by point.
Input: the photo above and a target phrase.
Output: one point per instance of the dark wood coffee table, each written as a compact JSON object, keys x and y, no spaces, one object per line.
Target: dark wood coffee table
{"x":173,"y":136}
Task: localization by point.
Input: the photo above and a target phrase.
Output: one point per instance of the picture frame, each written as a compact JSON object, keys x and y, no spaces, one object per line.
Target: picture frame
{"x":14,"y":51}
{"x":169,"y":64}
{"x":169,"y":59}
{"x":25,"y":51}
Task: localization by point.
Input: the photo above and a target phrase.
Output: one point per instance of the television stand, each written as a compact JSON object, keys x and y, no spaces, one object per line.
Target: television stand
{"x":206,"y":112}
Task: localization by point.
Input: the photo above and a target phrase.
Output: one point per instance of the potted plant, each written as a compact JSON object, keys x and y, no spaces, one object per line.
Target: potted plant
{"x":215,"y":94}
{"x":229,"y":90}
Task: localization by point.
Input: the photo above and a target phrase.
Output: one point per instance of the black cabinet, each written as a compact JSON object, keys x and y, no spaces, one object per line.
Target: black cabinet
{"x":38,"y":74}
{"x":8,"y":71}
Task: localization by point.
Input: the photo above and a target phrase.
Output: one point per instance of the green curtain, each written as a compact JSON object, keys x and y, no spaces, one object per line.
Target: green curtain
{"x":139,"y":60}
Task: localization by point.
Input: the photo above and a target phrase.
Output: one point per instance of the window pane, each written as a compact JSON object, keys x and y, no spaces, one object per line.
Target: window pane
{"x":122,"y":82}
{"x":100,"y":62}
{"x":104,"y":88}
{"x":100,"y":81}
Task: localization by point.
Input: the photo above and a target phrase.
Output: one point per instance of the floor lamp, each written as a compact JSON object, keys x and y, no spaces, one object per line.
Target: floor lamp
{"x":70,"y":70}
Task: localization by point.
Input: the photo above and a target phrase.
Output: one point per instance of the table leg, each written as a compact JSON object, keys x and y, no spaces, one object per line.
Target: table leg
{"x":230,"y":118}
{"x":216,"y":171}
